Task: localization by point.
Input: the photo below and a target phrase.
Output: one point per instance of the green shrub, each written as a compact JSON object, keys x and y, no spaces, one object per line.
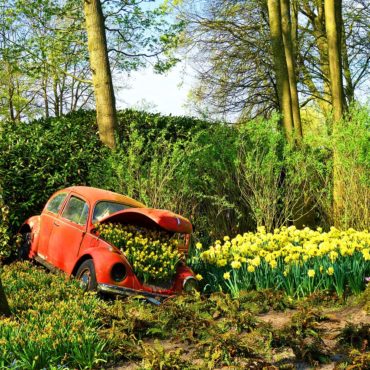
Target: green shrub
{"x":5,"y":235}
{"x":40,"y":157}
{"x":352,"y":143}
{"x":193,"y":175}
{"x":4,"y":232}
{"x":226,"y":179}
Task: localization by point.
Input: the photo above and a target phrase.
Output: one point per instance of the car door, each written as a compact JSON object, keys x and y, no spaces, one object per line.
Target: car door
{"x":48,"y":217}
{"x":68,"y":232}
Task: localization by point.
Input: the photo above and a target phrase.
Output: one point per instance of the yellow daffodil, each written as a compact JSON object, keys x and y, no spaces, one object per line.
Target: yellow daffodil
{"x":251,"y":268}
{"x":330,"y":271}
{"x":311,"y":273}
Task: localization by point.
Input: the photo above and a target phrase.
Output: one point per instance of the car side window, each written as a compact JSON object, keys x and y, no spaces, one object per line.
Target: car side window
{"x":55,"y":203}
{"x":76,"y":211}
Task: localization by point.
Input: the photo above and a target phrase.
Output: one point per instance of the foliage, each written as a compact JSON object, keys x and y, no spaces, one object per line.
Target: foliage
{"x":139,"y":33}
{"x":297,"y":261}
{"x":230,"y":44}
{"x":43,"y":49}
{"x":43,"y":156}
{"x":53,"y":323}
{"x":153,"y":254}
{"x":352,"y":143}
{"x":176,"y":163}
{"x":156,"y":357}
{"x":5,"y":236}
{"x":224,"y":178}
{"x":56,"y":325}
{"x":276,"y":181}
{"x":303,"y":335}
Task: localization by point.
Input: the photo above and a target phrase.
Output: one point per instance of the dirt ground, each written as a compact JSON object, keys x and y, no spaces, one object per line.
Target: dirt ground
{"x":331,"y":326}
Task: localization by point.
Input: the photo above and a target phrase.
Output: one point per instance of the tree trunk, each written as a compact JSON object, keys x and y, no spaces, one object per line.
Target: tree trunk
{"x":56,"y":97}
{"x":349,"y":91}
{"x":290,"y":62}
{"x":317,"y":20}
{"x":294,"y":29}
{"x":281,"y":71}
{"x":46,"y":98}
{"x":4,"y":306}
{"x":101,"y":75}
{"x":333,"y":23}
{"x":333,"y":33}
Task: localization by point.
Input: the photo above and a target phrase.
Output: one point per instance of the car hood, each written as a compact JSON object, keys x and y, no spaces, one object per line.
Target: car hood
{"x":151,"y":218}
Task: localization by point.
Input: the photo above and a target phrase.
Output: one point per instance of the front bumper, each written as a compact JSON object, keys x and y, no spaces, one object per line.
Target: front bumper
{"x":150,"y":296}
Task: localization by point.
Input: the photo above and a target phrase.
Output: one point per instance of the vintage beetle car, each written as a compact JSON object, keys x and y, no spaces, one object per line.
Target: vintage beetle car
{"x":64,"y":237}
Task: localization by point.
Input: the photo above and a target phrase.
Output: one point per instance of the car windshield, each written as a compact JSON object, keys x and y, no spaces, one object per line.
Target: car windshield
{"x":104,"y":209}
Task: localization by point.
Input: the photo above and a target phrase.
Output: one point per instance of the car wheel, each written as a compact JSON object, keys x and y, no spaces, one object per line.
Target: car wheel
{"x":25,"y":246}
{"x":86,"y":275}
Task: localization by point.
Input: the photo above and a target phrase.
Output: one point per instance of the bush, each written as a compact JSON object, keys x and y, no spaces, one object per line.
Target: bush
{"x":352,"y":143}
{"x":226,"y":179}
{"x":5,"y":235}
{"x":193,"y":176}
{"x":43,"y":156}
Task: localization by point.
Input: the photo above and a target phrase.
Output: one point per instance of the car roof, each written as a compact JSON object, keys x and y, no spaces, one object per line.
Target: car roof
{"x":94,"y":195}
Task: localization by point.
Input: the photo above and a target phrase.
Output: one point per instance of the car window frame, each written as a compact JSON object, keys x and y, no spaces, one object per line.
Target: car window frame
{"x":78,"y":196}
{"x":61,"y":206}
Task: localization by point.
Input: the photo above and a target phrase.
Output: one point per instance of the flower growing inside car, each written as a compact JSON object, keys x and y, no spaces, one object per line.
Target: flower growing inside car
{"x":153,"y":254}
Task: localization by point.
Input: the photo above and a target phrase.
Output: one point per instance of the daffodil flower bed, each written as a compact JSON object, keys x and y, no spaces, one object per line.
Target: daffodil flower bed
{"x":298,"y":261}
{"x":153,"y":254}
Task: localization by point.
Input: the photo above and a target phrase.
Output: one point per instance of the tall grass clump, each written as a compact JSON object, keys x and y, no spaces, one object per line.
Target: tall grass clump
{"x":54,"y":324}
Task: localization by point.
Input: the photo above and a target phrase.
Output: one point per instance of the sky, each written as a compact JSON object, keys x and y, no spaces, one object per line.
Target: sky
{"x":146,"y":90}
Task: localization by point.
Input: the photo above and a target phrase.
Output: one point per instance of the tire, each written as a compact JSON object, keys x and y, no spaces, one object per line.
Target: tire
{"x":86,"y":275}
{"x":25,"y":246}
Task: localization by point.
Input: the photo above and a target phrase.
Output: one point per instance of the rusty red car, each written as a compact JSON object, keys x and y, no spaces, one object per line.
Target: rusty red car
{"x":64,"y":237}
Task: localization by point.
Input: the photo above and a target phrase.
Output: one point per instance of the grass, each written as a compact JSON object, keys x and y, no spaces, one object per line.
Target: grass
{"x":56,"y":326}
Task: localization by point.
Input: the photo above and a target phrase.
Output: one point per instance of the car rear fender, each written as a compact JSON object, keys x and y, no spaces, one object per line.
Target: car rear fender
{"x":32,"y":225}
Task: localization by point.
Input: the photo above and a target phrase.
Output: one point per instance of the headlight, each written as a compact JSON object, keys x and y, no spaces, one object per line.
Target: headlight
{"x":118,"y":272}
{"x":190,"y":284}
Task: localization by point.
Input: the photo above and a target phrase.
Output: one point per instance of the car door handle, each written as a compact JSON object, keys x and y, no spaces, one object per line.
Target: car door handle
{"x":56,"y":223}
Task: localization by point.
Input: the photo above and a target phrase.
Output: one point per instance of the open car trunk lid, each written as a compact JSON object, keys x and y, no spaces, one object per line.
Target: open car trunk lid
{"x":152,"y":219}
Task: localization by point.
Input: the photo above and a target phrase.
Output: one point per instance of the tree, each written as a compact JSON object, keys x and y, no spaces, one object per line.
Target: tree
{"x":46,"y":47}
{"x":281,"y":69}
{"x":229,"y":44}
{"x":226,"y":41}
{"x":313,"y":56}
{"x":289,"y":34}
{"x":101,"y":74}
{"x":333,"y":22}
{"x":45,"y":57}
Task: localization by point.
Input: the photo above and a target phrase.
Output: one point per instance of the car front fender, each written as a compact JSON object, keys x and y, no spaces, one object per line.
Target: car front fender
{"x":104,"y":258}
